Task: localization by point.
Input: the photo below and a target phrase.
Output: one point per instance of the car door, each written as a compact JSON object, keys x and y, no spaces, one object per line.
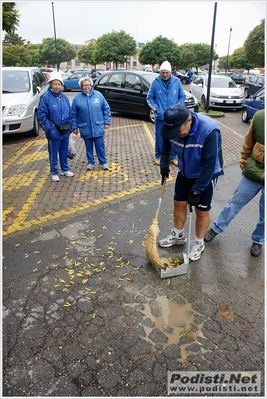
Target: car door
{"x":134,"y":94}
{"x":72,"y":82}
{"x":111,"y":87}
{"x":258,"y":101}
{"x":196,"y":87}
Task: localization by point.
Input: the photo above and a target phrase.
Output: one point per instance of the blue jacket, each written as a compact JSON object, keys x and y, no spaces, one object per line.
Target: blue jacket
{"x":199,"y":153}
{"x":90,"y":113}
{"x":54,"y":107}
{"x":160,"y":96}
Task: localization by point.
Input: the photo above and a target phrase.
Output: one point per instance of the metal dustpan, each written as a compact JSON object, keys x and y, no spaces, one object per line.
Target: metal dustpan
{"x":172,"y":271}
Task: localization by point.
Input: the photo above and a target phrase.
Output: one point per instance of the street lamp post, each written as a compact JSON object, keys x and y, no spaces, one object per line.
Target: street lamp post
{"x":228,"y":51}
{"x":55,"y":34}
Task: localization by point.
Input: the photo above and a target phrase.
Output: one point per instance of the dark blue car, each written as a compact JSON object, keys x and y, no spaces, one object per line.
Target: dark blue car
{"x":253,"y":104}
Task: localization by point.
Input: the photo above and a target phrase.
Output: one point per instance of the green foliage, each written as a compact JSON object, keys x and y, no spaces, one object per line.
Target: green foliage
{"x":10,"y":17}
{"x":254,"y":45}
{"x":238,"y":59}
{"x":12,"y":38}
{"x":9,"y":59}
{"x":159,"y":50}
{"x":20,"y":55}
{"x":65,"y":51}
{"x":85,"y":54}
{"x":114,"y":46}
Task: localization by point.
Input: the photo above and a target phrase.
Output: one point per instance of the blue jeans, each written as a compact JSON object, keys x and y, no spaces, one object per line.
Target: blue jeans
{"x":246,"y":190}
{"x":158,"y":139}
{"x":100,"y":149}
{"x":58,"y":148}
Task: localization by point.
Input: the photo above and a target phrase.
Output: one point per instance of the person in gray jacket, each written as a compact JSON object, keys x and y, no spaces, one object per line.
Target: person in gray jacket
{"x":91,"y":115}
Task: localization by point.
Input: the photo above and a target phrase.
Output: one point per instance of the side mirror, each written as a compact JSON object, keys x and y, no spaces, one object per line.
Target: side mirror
{"x":138,"y":88}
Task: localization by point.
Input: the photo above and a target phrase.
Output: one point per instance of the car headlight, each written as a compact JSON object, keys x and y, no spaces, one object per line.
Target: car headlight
{"x":214,"y":95}
{"x":16,"y":109}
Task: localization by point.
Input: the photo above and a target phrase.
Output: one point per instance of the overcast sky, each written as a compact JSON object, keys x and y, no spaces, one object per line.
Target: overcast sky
{"x":182,"y":21}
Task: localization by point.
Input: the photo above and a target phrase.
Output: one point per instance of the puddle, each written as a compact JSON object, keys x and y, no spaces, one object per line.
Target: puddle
{"x":173,"y":320}
{"x":169,"y":317}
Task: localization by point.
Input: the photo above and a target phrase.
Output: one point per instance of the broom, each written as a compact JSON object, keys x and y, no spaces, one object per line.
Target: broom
{"x":151,"y":240}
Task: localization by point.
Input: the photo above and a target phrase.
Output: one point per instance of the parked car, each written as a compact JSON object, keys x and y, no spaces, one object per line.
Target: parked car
{"x":252,"y":105}
{"x":224,"y":93}
{"x":72,"y":81}
{"x":183,"y":78}
{"x":46,"y":69}
{"x":72,"y":71}
{"x":21,"y":90}
{"x":238,"y":78}
{"x":126,"y":92}
{"x":253,"y":85}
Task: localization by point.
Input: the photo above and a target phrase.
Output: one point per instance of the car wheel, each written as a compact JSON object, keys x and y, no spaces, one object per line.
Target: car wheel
{"x":244,"y":116}
{"x":64,"y":88}
{"x":203,"y":102}
{"x":184,"y":81}
{"x":35,"y":131}
{"x":246,"y":94}
{"x":151,"y":115}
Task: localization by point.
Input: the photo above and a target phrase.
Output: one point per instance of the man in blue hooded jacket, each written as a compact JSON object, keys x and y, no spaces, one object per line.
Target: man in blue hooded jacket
{"x":196,"y":140}
{"x":164,"y":91}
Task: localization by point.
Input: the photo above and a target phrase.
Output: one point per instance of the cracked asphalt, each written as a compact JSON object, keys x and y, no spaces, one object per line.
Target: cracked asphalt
{"x":84,"y":312}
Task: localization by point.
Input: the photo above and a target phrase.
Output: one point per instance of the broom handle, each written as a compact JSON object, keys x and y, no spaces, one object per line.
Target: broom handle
{"x":161,"y":192}
{"x":160,"y":198}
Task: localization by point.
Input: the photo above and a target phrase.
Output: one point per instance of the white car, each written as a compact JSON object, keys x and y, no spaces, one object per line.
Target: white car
{"x":21,"y":91}
{"x":224,"y":92}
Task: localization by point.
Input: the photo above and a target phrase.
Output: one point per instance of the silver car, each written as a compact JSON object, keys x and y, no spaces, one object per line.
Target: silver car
{"x":224,"y":92}
{"x":21,"y":91}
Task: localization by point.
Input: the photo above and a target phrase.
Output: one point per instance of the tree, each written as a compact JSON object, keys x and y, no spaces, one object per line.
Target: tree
{"x":158,"y":50}
{"x":195,"y":55}
{"x":9,"y":59}
{"x":85,"y":54}
{"x":10,"y":17}
{"x":255,"y":44}
{"x":65,"y":51}
{"x":15,"y":55}
{"x":33,"y":54}
{"x":238,"y":59}
{"x":12,"y":38}
{"x":114,"y":47}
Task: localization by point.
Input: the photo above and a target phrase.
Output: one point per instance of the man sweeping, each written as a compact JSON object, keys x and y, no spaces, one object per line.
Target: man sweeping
{"x":196,"y":140}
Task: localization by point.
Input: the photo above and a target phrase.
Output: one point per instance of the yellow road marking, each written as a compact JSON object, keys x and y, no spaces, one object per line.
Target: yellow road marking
{"x":15,"y":182}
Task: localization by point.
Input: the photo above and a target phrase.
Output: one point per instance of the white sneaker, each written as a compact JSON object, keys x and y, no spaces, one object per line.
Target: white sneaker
{"x":55,"y":178}
{"x":105,"y":166}
{"x":172,"y":239}
{"x":196,"y":251}
{"x":68,"y":173}
{"x":90,"y":166}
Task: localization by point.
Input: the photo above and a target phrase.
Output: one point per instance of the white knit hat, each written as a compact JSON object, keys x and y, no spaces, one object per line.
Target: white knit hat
{"x":55,"y":76}
{"x":165,"y":66}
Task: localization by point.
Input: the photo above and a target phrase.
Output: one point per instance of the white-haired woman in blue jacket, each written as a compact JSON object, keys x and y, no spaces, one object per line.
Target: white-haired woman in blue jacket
{"x":91,"y":115}
{"x":54,"y":117}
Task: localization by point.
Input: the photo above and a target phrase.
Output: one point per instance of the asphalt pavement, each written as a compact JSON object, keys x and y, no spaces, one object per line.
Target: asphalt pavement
{"x":84,"y":312}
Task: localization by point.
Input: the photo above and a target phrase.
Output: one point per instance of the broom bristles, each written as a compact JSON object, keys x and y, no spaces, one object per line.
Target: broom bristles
{"x":151,"y":245}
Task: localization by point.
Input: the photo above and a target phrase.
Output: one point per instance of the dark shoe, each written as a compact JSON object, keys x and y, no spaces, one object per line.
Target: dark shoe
{"x":210,"y":235}
{"x":256,"y":249}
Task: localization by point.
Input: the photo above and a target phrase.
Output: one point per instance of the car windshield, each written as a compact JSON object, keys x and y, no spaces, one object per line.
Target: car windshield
{"x":15,"y":81}
{"x":221,"y":83}
{"x":150,"y":77}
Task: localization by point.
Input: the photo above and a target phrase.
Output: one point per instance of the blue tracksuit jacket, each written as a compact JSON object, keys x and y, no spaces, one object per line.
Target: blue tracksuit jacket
{"x":160,"y":96}
{"x":199,"y":153}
